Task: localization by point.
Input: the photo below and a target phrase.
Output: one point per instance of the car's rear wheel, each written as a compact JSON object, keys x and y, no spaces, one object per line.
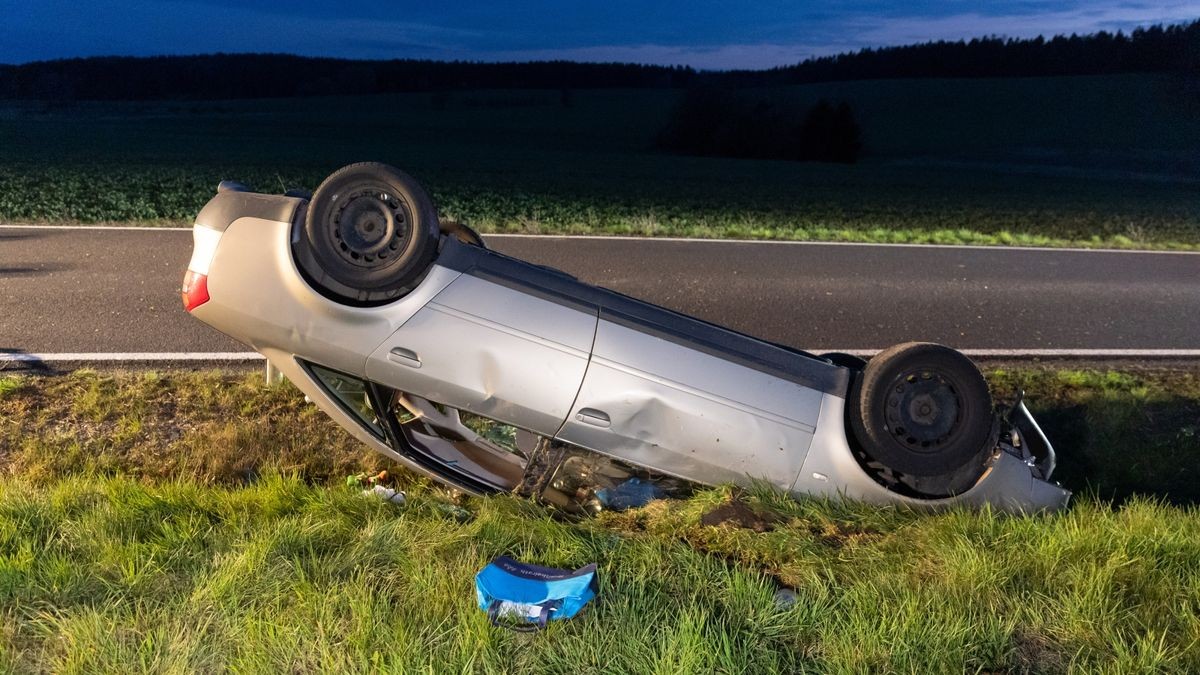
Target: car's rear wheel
{"x":370,"y":234}
{"x":922,"y":409}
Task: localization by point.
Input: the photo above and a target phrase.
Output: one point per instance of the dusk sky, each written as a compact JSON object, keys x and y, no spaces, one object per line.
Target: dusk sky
{"x":710,"y":34}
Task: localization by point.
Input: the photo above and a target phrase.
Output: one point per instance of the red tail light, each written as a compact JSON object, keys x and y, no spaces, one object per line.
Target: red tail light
{"x":195,"y":290}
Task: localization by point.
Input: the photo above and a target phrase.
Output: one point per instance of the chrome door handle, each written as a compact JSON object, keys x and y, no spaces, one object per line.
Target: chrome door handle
{"x":404,"y":356}
{"x":596,"y":418}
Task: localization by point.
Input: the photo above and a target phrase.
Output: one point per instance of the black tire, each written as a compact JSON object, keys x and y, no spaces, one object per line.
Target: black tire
{"x":370,"y":234}
{"x":922,"y":409}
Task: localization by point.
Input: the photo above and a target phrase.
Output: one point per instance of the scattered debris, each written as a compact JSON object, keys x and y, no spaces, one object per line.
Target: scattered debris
{"x":458,"y":513}
{"x":526,"y":597}
{"x":375,"y":487}
{"x":363,"y":479}
{"x":630,"y":494}
{"x":387,"y":494}
{"x":580,"y":481}
{"x":786,"y":598}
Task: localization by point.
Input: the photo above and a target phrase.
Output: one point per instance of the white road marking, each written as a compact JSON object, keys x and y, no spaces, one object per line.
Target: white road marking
{"x":118,"y":228}
{"x":603,"y":237}
{"x":130,"y":357}
{"x":1054,"y":353}
{"x":169,"y":357}
{"x":799,"y":242}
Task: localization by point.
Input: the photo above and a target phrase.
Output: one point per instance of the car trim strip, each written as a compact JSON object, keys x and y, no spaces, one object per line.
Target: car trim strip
{"x":706,"y":395}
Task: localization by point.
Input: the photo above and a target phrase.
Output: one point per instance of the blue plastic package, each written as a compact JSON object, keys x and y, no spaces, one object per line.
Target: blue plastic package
{"x":533,"y":595}
{"x":630,"y":494}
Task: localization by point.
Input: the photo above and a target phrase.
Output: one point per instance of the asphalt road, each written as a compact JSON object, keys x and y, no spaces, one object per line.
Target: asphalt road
{"x":86,"y":290}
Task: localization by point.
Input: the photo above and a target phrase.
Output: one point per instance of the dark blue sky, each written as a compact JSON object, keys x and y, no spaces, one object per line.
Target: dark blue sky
{"x":700,"y":33}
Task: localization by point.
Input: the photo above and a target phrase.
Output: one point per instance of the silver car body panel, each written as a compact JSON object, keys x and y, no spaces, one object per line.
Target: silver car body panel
{"x":567,"y":360}
{"x":687,"y":413}
{"x":470,"y":348}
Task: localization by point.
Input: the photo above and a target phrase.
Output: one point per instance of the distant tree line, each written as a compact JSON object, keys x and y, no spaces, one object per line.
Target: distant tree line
{"x":1156,"y":49}
{"x":1173,"y":48}
{"x":229,"y":76}
{"x":726,"y":123}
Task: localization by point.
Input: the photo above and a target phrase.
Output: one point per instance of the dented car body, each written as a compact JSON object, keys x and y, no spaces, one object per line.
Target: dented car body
{"x":489,"y":373}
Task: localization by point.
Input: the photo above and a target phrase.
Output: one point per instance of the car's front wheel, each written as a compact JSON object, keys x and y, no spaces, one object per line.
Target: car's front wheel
{"x":923,"y":410}
{"x":370,"y":234}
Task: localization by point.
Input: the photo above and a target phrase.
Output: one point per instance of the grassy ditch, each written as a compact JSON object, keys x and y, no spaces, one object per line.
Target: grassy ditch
{"x":1117,"y":433}
{"x":196,"y":522}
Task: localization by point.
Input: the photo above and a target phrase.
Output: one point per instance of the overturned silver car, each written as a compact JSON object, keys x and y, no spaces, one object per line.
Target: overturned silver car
{"x":492,"y":374}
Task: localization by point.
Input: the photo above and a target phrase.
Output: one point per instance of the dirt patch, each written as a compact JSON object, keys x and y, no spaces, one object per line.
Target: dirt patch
{"x":739,"y":514}
{"x":837,"y":535}
{"x":1034,"y":652}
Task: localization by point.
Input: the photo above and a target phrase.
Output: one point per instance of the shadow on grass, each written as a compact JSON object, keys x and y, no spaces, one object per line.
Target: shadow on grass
{"x":1117,"y":434}
{"x":1115,"y":449}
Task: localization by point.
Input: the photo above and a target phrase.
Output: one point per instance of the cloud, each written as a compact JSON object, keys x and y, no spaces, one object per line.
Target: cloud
{"x":1088,"y":18}
{"x":707,"y":34}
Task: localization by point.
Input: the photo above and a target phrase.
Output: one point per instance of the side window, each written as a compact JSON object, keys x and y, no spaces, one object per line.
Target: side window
{"x":351,"y":393}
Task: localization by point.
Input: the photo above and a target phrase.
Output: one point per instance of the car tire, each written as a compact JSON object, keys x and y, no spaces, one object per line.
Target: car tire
{"x":369,"y":235}
{"x":922,"y":409}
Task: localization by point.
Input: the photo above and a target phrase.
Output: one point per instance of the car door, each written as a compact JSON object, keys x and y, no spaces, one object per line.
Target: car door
{"x":492,"y":348}
{"x":665,"y":401}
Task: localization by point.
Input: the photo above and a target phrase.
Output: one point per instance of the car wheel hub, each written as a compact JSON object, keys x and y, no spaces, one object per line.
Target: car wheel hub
{"x":923,"y":410}
{"x":369,"y":228}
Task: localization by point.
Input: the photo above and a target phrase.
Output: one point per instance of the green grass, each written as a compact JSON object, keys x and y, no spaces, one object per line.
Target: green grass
{"x":1049,"y":162}
{"x":1117,"y":433}
{"x":207,"y":426}
{"x":198,"y":521}
{"x":111,"y":575}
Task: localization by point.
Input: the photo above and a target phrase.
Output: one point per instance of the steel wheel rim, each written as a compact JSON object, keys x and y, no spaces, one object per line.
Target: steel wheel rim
{"x":369,"y":227}
{"x":923,"y":410}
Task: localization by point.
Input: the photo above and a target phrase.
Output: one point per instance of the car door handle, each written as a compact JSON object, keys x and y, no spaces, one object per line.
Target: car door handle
{"x":404,"y":356}
{"x":596,"y":418}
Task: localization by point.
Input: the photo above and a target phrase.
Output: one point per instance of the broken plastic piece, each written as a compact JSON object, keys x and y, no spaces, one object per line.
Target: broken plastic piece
{"x":531,"y":595}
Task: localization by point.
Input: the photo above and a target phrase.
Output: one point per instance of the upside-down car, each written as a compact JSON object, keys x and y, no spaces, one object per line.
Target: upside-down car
{"x":490,"y":374}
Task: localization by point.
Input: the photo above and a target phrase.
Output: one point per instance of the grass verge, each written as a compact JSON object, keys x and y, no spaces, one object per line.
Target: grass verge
{"x":191,"y":522}
{"x":114,"y":575}
{"x":1117,"y":433}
